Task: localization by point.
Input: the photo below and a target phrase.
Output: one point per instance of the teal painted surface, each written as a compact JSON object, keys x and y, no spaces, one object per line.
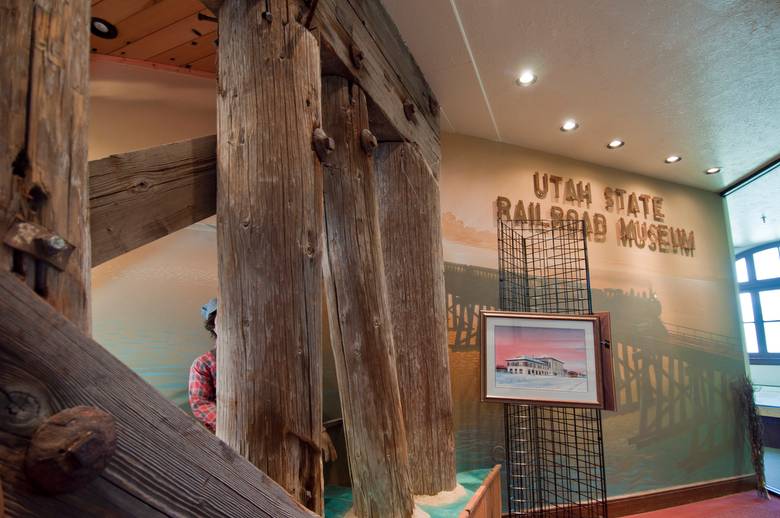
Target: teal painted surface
{"x":338,"y":500}
{"x":146,"y":307}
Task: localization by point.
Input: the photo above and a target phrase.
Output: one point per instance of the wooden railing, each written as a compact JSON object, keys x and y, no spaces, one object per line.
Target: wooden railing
{"x":486,"y":502}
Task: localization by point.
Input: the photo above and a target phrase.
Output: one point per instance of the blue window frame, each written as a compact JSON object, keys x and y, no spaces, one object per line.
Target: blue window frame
{"x":758,"y":275}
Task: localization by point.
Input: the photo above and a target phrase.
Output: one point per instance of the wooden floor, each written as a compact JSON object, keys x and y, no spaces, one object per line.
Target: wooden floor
{"x":740,"y":505}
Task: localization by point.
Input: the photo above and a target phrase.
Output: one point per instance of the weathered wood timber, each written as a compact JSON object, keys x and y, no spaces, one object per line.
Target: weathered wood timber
{"x":144,"y":195}
{"x":44,"y":65}
{"x":387,"y":72}
{"x":359,"y":39}
{"x":410,"y":226}
{"x":269,"y":221}
{"x":165,"y":464}
{"x":359,"y":316}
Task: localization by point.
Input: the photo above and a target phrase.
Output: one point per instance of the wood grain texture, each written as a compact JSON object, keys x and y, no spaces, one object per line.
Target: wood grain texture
{"x":388,"y":73}
{"x":165,"y":463}
{"x":359,"y":315}
{"x":137,"y":197}
{"x":44,"y":66}
{"x":486,"y":501}
{"x":269,"y":217}
{"x":213,"y":5}
{"x":152,"y":18}
{"x":410,"y":224}
{"x":646,"y":502}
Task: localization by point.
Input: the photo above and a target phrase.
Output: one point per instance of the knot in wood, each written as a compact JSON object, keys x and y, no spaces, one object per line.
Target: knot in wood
{"x":70,"y":449}
{"x":357,"y":56}
{"x":368,"y":141}
{"x":323,"y":144}
{"x":410,"y":110}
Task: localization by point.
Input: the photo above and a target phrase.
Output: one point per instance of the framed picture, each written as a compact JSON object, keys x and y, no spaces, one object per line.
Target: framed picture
{"x":546,"y":359}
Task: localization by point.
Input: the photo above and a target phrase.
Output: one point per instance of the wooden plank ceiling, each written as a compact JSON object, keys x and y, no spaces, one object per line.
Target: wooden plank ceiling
{"x":171,"y":32}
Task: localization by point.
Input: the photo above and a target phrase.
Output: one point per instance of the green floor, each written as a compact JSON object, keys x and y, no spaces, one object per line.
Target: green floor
{"x":772,"y":468}
{"x":338,"y":500}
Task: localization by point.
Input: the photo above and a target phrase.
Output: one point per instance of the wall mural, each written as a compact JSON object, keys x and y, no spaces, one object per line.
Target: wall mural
{"x":667,"y":285}
{"x":676,"y":408}
{"x":673,"y":314}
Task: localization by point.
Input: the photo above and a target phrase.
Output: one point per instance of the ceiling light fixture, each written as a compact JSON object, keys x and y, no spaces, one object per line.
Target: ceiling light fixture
{"x":673,"y":159}
{"x":526,"y":78}
{"x":615,"y":143}
{"x":570,"y":125}
{"x":102,"y":28}
{"x":712,"y":170}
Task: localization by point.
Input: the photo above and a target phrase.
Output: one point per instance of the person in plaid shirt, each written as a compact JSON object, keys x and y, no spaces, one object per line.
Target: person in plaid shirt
{"x":203,"y":375}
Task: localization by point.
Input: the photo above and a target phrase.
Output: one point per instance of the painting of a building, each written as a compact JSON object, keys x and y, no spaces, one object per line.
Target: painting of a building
{"x":535,"y":366}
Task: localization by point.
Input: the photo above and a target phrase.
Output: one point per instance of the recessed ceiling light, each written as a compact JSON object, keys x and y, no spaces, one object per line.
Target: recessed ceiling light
{"x":713,"y":170}
{"x":569,"y":125}
{"x":102,"y":28}
{"x":615,"y":143}
{"x":673,"y":159}
{"x":526,"y":78}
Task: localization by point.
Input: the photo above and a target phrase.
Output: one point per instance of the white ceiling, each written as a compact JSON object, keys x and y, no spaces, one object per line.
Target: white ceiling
{"x":754,"y":212}
{"x":698,"y":78}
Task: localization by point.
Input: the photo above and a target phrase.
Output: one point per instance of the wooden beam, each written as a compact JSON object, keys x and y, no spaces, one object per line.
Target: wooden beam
{"x":141,"y":196}
{"x":213,"y":5}
{"x":44,"y":66}
{"x":359,"y":40}
{"x":165,"y":463}
{"x":269,"y":220}
{"x":410,"y":225}
{"x":387,"y":71}
{"x":360,"y":326}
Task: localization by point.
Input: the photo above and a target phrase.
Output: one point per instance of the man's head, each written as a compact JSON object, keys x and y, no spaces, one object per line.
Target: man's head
{"x":209,"y":314}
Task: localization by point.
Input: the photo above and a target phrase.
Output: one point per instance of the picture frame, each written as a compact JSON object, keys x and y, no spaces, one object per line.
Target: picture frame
{"x":542,"y":358}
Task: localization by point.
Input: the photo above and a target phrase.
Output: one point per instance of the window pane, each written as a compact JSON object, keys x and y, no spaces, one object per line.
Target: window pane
{"x":770,"y":304}
{"x":746,"y":303}
{"x":767,"y":263}
{"x":742,"y":274}
{"x":751,"y":340}
{"x":772,"y":332}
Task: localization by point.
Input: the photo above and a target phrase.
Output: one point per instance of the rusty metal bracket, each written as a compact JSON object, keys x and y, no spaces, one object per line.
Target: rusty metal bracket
{"x":39,"y":242}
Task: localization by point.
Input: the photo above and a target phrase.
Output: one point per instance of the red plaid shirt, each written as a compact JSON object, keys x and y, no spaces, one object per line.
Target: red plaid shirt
{"x":203,"y":389}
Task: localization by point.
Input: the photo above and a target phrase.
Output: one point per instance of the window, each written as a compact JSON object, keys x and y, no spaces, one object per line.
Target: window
{"x":758,"y":275}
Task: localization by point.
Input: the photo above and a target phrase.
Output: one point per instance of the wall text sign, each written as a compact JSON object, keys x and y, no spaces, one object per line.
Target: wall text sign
{"x":640,"y":216}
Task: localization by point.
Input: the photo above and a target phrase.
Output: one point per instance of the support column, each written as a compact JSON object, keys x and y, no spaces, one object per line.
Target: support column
{"x":410,"y":224}
{"x":359,"y":315}
{"x":44,"y":67}
{"x":269,"y":222}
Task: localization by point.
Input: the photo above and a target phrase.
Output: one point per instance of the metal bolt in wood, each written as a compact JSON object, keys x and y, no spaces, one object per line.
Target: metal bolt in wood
{"x":357,"y":56}
{"x":323,"y":144}
{"x":410,"y":111}
{"x":368,"y":141}
{"x":70,"y":449}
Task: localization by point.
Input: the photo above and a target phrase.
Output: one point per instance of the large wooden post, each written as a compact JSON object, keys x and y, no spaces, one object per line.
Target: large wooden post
{"x":269,"y":221}
{"x":358,"y":313}
{"x":410,"y":224}
{"x":44,"y":67}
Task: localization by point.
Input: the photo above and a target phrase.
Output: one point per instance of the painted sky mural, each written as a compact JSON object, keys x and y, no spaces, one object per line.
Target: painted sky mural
{"x":567,"y":345}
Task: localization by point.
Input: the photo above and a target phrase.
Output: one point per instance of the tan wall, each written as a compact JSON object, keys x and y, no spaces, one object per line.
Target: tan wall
{"x":146,"y":303}
{"x":133,"y":107}
{"x":677,"y":422}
